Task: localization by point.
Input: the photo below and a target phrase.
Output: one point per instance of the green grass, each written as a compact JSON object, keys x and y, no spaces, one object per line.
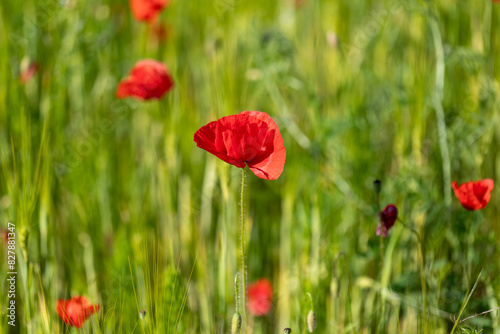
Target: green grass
{"x":113,"y":200}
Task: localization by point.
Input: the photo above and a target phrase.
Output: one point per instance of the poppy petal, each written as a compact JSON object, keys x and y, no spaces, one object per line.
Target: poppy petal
{"x":206,"y":138}
{"x":270,"y":162}
{"x":147,"y":10}
{"x":128,"y":88}
{"x":75,"y":311}
{"x":260,"y":297}
{"x":61,"y":311}
{"x":388,"y":218}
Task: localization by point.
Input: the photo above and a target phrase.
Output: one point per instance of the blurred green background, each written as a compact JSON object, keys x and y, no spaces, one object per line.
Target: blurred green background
{"x":113,"y":200}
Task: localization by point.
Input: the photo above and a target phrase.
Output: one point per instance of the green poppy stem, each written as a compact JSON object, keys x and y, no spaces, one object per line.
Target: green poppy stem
{"x":381,"y":235}
{"x":243,"y":289}
{"x":381,"y":239}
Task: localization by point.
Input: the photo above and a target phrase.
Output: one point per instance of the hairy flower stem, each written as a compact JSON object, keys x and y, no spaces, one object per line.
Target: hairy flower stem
{"x":381,"y":238}
{"x":243,"y":289}
{"x":237,"y":293}
{"x":381,"y":235}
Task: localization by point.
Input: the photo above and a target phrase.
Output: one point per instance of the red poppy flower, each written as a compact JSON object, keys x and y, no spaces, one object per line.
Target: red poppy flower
{"x":5,"y":235}
{"x":387,"y":217}
{"x":251,"y":138}
{"x":474,"y":195}
{"x":148,"y":79}
{"x":29,"y":72}
{"x":75,"y":311}
{"x":260,"y":297}
{"x":147,"y":10}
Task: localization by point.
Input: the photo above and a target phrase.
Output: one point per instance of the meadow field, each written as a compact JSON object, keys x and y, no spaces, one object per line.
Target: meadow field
{"x":111,"y":198}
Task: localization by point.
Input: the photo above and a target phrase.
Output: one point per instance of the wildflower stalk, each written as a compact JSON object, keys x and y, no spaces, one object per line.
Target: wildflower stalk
{"x":243,"y":288}
{"x":422,"y":264}
{"x":479,"y":314}
{"x":381,"y":234}
{"x":465,"y":302}
{"x":236,"y":321}
{"x":237,"y":293}
{"x":377,"y":188}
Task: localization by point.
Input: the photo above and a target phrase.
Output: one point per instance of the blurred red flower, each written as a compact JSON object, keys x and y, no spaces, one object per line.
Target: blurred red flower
{"x":474,"y":195}
{"x":148,"y":79}
{"x":147,"y":10}
{"x":260,"y":297}
{"x":251,"y":138}
{"x":388,"y":217}
{"x":160,"y":33}
{"x":5,"y":235}
{"x":75,"y":311}
{"x":299,"y":3}
{"x":29,"y":72}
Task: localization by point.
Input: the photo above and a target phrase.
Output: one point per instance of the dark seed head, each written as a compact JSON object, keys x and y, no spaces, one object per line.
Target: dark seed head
{"x":377,"y":186}
{"x":287,"y":331}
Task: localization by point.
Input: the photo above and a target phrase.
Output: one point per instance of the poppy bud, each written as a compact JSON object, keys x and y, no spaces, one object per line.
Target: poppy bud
{"x":387,"y":217}
{"x":287,"y":331}
{"x":311,"y":321}
{"x":377,"y":186}
{"x":236,"y":323}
